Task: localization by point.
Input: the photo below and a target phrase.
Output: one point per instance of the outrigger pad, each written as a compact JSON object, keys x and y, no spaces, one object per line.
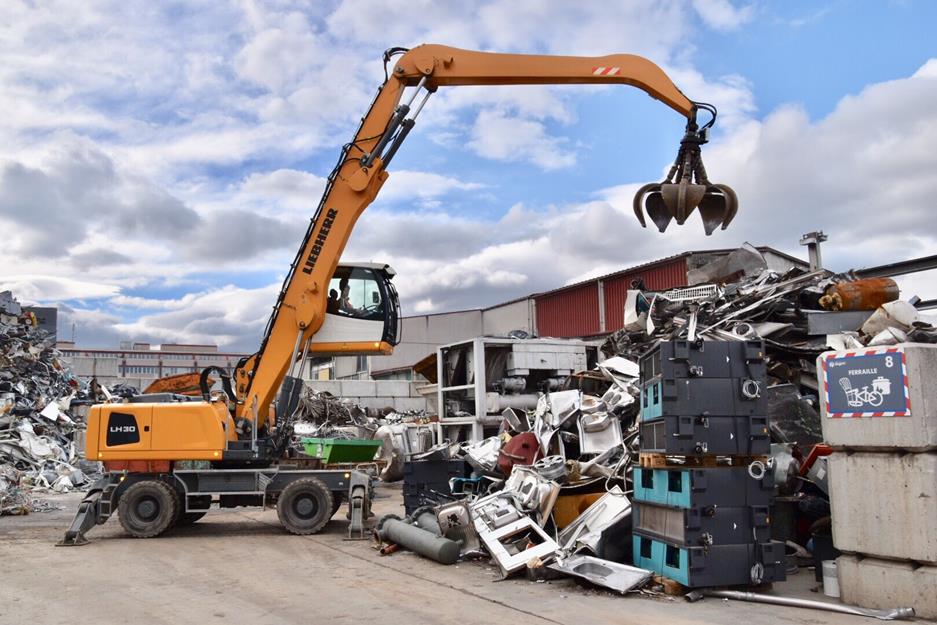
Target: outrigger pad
{"x":94,"y":509}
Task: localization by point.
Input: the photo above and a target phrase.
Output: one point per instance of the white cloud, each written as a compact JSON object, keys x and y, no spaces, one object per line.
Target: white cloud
{"x":405,"y":185}
{"x":230,"y":317}
{"x":500,"y":137}
{"x":928,"y":70}
{"x":722,"y":15}
{"x":43,"y":288}
{"x":287,"y":185}
{"x":424,"y":306}
{"x":270,"y":58}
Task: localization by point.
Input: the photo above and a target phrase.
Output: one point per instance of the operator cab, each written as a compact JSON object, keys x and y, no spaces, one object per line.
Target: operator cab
{"x":362,"y":314}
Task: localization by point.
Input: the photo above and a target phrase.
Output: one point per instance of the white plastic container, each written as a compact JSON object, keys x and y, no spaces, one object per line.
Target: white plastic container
{"x":830,"y":579}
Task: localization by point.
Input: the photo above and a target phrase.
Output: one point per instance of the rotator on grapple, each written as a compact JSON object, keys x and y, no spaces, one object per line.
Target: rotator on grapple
{"x":687,"y":186}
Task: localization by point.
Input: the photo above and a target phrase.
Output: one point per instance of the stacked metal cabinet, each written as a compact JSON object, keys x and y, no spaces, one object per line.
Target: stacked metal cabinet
{"x":426,"y":482}
{"x":879,"y":413}
{"x":702,"y":493}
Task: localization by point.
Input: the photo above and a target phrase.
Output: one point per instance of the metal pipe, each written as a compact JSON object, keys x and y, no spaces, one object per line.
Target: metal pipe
{"x":418,"y":540}
{"x":883,"y":615}
{"x":425,"y":518}
{"x":521,"y":401}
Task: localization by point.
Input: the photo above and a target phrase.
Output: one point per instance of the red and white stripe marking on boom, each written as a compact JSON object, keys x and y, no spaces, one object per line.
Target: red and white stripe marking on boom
{"x":606,"y":71}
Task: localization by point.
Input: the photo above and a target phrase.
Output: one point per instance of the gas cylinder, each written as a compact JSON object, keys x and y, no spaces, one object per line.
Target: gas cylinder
{"x":866,"y":294}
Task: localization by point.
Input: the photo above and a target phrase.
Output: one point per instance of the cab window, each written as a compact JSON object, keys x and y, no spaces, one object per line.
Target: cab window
{"x":355,"y":292}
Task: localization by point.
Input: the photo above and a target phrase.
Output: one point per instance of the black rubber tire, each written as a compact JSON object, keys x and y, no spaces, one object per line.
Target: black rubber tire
{"x":148,"y":508}
{"x":305,"y":506}
{"x":337,"y":501}
{"x":180,"y":504}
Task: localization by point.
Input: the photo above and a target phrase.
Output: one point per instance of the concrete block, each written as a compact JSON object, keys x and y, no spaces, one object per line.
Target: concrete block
{"x":359,"y":388}
{"x":881,"y":398}
{"x":392,"y":388}
{"x":422,"y":390}
{"x":326,"y":386}
{"x":409,"y":403}
{"x":885,"y":504}
{"x":883,"y":584}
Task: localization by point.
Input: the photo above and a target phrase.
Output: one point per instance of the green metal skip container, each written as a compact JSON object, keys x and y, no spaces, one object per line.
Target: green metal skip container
{"x":338,"y":450}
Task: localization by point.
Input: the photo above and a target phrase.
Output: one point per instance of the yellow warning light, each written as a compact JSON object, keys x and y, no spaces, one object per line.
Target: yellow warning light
{"x":216,"y":454}
{"x":377,"y":345}
{"x":100,"y":455}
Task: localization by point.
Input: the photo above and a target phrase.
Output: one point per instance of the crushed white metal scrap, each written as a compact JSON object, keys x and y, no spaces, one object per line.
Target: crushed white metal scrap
{"x":37,"y":427}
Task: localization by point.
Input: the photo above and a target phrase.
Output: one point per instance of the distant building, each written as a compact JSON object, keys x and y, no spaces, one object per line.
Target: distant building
{"x":138,"y":364}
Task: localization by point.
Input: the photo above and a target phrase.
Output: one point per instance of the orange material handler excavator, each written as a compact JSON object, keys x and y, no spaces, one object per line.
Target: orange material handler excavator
{"x":148,"y":443}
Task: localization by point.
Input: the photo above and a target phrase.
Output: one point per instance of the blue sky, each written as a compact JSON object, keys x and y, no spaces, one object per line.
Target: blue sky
{"x":159,"y":162}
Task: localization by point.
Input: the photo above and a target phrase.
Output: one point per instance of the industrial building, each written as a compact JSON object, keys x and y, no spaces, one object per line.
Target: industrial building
{"x":138,"y":364}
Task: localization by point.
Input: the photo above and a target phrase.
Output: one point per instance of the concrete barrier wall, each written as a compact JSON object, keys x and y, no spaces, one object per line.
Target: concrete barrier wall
{"x":882,"y":584}
{"x":885,"y":504}
{"x":399,"y":395}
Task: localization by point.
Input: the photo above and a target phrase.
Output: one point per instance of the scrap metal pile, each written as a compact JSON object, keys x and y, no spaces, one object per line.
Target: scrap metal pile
{"x":552,"y":492}
{"x":37,"y":428}
{"x":322,"y":415}
{"x":548,"y":494}
{"x":798,"y":314}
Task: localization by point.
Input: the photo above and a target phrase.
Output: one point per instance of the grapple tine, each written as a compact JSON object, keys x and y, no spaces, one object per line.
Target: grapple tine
{"x":657,"y":211}
{"x":681,"y":198}
{"x":732,"y":204}
{"x":638,"y":203}
{"x":712,"y":211}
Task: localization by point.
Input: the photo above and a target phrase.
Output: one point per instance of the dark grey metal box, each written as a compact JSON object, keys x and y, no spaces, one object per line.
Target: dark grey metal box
{"x":722,"y":436}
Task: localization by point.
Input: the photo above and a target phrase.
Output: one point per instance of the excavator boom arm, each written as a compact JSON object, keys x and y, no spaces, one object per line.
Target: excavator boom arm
{"x":360,"y":173}
{"x":449,"y":67}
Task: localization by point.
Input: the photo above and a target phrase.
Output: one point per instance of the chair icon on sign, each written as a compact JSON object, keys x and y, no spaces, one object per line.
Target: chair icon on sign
{"x":857,"y":398}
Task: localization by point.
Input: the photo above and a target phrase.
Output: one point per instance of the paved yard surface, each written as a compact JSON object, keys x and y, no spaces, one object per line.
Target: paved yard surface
{"x":238,"y":566}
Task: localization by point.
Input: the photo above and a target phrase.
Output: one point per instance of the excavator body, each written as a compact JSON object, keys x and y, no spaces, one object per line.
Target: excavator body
{"x":179,"y":430}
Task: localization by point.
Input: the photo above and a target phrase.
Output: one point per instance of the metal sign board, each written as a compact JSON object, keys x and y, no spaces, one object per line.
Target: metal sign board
{"x":866,"y":383}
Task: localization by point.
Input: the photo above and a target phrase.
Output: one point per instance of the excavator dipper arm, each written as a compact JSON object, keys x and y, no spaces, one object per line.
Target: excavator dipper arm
{"x":361,"y":171}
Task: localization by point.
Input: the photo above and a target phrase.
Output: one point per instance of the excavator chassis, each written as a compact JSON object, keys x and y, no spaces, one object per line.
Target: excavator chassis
{"x":306,"y":490}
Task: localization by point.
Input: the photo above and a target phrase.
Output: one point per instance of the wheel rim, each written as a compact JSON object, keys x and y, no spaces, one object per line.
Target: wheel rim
{"x":305,"y":506}
{"x":147,"y":508}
